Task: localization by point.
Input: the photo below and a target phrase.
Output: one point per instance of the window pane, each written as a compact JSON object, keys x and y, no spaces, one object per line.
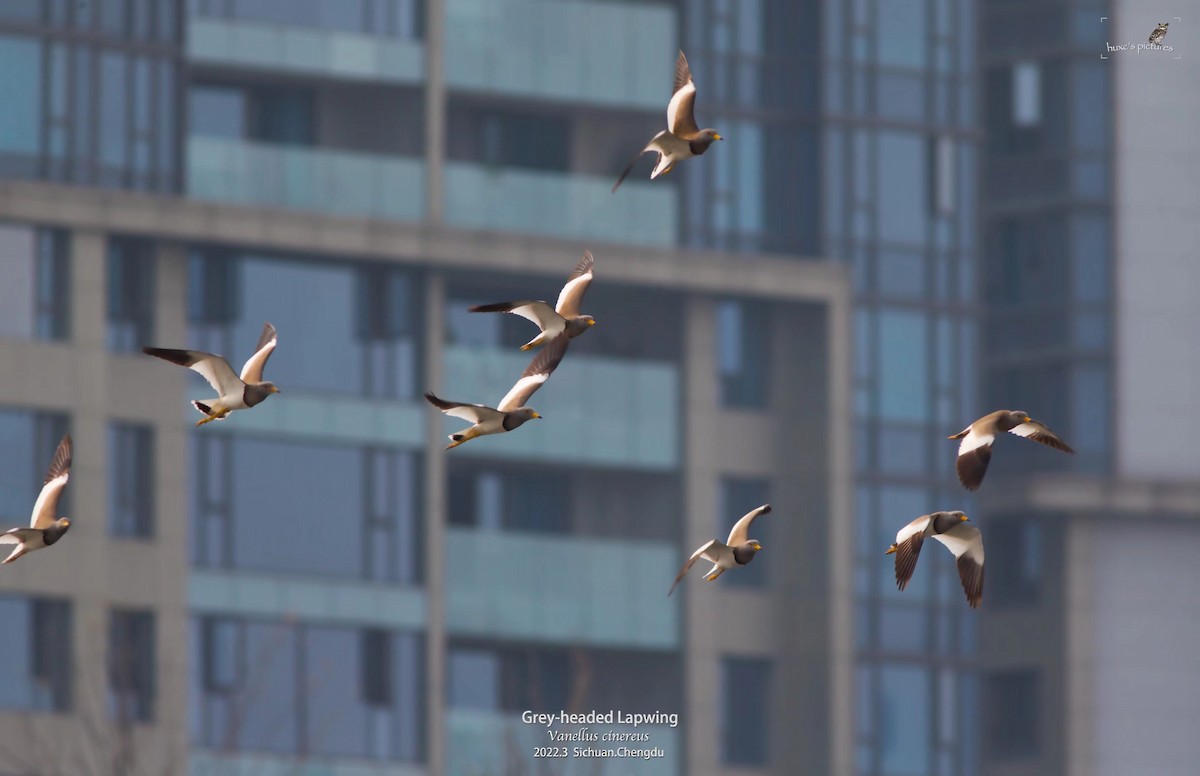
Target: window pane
{"x":21,"y":85}
{"x":903,"y":186}
{"x":131,"y":481}
{"x":217,"y":111}
{"x":132,"y":666}
{"x":907,"y":710}
{"x":1027,"y":94}
{"x":745,"y":711}
{"x":903,"y":374}
{"x":130,"y":295}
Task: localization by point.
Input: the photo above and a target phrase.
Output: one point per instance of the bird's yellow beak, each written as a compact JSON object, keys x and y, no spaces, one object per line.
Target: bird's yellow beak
{"x":1027,"y":418}
{"x":757,"y":546}
{"x":963,"y":519}
{"x":717,"y":137}
{"x":66,"y":522}
{"x":539,"y":417}
{"x":592,"y":322}
{"x":890,"y":550}
{"x":274,"y":389}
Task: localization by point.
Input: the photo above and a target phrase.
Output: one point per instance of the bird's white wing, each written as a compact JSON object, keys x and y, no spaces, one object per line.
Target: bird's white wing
{"x":213,"y":368}
{"x":570,"y":299}
{"x":1039,"y":432}
{"x":538,"y":371}
{"x":252,"y":371}
{"x":681,"y":117}
{"x":539,"y":313}
{"x":472,"y":413}
{"x":975,"y":440}
{"x":708,"y":551}
{"x":966,"y":542}
{"x":974,"y":454}
{"x":917,"y":526}
{"x":46,"y":506}
{"x":741,"y":529}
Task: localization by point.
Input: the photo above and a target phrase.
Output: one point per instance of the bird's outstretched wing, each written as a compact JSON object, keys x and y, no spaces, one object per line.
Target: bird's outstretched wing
{"x":741,"y":529}
{"x":570,"y":299}
{"x":966,"y":542}
{"x":703,"y":552}
{"x":46,"y":506}
{"x":472,"y":413}
{"x":252,"y":372}
{"x":539,"y":313}
{"x":1039,"y":432}
{"x":538,"y":371}
{"x":213,"y":368}
{"x":681,"y":117}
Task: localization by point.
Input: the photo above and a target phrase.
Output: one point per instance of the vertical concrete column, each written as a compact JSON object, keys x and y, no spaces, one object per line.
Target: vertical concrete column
{"x":701,"y":701}
{"x":170,"y":544}
{"x":435,"y":109}
{"x":840,"y":367}
{"x":435,"y":533}
{"x":1080,"y":653}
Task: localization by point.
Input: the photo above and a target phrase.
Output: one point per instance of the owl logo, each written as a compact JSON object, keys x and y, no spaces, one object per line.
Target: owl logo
{"x":1159,"y":33}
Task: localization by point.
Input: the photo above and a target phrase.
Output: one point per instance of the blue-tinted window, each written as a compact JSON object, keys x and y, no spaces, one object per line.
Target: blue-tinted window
{"x":473,"y":679}
{"x":130,"y":294}
{"x":35,"y":294}
{"x":131,"y":666}
{"x":1026,"y":93}
{"x":903,"y":365}
{"x":360,"y":318}
{"x":742,"y":340}
{"x":325,"y":691}
{"x":907,"y":708}
{"x":131,"y":480}
{"x":376,"y":499}
{"x":36,"y":655}
{"x":218,"y":111}
{"x":27,"y":444}
{"x":1016,"y":547}
{"x":1011,"y":719}
{"x":745,"y":711}
{"x":21,"y":85}
{"x":510,"y":500}
{"x":736,"y":496}
{"x":902,"y":36}
{"x":903,"y":187}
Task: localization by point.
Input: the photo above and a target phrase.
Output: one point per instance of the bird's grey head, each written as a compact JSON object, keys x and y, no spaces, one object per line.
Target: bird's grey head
{"x":519,"y":416}
{"x":55,"y":530}
{"x":704,"y":138}
{"x":1016,"y":418}
{"x":944,"y":521}
{"x":579,"y":324}
{"x":257,"y":392}
{"x":744,"y":552}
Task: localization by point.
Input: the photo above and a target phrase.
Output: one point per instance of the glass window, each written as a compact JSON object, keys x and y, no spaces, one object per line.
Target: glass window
{"x":1015,"y":547}
{"x":130,"y":295}
{"x":1011,"y":714}
{"x":131,"y":481}
{"x":903,"y":186}
{"x":284,"y":115}
{"x":35,"y":293}
{"x":361,"y":318}
{"x":907,"y":709}
{"x":114,"y":131}
{"x":220,"y":654}
{"x":229,"y":500}
{"x":131,"y":662}
{"x":745,"y":711}
{"x":36,"y":654}
{"x":474,"y":679}
{"x":742,"y":354}
{"x":21,"y":85}
{"x":27,"y":444}
{"x":903,"y":365}
{"x":902,"y":36}
{"x":1026,"y":93}
{"x":737,"y":496}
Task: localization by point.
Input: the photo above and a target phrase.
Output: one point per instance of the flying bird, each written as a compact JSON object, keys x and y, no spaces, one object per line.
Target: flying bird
{"x":738,"y":550}
{"x":949,"y":528}
{"x":233,"y":392}
{"x":511,"y":413}
{"x":44,"y":529}
{"x":682,"y":139}
{"x":553,"y":321}
{"x":975,"y":450}
{"x":1159,"y":33}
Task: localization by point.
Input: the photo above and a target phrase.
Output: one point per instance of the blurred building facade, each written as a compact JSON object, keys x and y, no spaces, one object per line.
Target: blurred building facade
{"x":317,"y":583}
{"x":1089,"y":224}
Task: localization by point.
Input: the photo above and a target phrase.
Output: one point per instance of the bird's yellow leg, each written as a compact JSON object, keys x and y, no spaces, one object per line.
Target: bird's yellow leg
{"x":465,"y":436}
{"x":211,"y":418}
